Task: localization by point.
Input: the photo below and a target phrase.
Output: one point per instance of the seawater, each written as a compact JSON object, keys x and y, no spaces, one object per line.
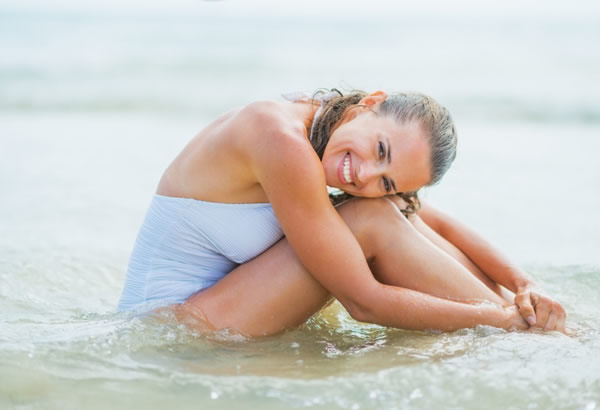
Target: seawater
{"x":62,"y":347}
{"x":95,"y":103}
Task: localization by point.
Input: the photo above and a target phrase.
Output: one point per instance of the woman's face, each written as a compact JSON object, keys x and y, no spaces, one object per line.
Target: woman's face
{"x":372,"y":155}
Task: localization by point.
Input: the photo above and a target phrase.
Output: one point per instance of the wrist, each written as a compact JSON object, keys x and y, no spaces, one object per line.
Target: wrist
{"x":521,"y":281}
{"x":512,"y":319}
{"x":498,"y":316}
{"x":526,"y":286}
{"x":523,"y":286}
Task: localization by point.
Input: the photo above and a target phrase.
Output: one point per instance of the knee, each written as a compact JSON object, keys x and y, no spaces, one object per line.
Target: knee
{"x":371,"y":216}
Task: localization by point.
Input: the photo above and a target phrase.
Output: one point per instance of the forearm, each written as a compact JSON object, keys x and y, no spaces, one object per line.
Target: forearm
{"x":408,"y":309}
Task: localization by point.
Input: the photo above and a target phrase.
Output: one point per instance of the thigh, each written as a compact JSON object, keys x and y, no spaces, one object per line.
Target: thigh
{"x":266,"y":295}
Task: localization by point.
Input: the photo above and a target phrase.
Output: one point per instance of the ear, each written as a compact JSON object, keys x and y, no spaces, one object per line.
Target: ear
{"x":373,"y":98}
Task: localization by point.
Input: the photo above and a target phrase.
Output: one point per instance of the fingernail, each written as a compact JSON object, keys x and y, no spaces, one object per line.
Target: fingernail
{"x":531,"y":320}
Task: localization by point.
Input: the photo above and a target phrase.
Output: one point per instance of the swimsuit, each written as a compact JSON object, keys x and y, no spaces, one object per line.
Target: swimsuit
{"x":186,"y":245}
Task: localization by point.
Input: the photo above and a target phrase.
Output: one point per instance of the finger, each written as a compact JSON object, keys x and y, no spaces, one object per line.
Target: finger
{"x":560,"y":326}
{"x":543,"y":307}
{"x":552,"y":321}
{"x":562,"y":318}
{"x":523,"y":300}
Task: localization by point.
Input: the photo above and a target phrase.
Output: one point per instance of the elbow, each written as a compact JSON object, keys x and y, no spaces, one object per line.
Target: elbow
{"x":356,"y":312}
{"x":361,"y":315}
{"x":359,"y":308}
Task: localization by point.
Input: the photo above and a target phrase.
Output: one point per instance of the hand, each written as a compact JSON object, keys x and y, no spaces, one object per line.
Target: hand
{"x":514,"y":320}
{"x":540,"y":311}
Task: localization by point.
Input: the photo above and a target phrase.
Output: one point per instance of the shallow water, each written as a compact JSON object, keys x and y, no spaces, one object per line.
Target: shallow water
{"x":61,"y":347}
{"x":95,"y":104}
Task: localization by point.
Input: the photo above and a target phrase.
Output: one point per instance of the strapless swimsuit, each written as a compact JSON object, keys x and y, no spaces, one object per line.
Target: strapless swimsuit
{"x":186,"y":245}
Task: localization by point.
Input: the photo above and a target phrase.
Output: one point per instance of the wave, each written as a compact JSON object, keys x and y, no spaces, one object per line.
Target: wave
{"x":476,"y":109}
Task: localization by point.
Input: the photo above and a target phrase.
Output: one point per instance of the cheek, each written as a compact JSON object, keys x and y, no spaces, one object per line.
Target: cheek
{"x":328,"y":166}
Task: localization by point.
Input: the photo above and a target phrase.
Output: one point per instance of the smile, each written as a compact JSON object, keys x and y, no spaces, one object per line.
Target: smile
{"x":345,"y":169}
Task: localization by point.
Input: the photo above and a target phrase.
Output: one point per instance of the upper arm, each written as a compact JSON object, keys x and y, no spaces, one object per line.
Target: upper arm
{"x":293,"y":179}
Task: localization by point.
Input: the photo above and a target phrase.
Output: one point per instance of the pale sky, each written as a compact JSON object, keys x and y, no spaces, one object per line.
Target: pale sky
{"x":332,"y":8}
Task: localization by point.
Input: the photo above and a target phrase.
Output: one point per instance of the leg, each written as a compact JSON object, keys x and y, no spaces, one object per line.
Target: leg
{"x":455,"y":253}
{"x":463,"y":259}
{"x":400,"y":254}
{"x":274,"y":292}
{"x":265,"y":295}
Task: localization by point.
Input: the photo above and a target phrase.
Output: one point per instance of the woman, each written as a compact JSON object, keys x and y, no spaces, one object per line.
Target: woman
{"x":210,"y":245}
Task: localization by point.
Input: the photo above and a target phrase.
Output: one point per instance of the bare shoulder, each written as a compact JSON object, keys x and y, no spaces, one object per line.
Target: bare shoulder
{"x":281,"y":156}
{"x":266,"y":119}
{"x":277,"y":145}
{"x":261,"y":110}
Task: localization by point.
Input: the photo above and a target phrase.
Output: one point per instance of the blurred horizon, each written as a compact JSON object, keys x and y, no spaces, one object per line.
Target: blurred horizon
{"x":515,"y":61}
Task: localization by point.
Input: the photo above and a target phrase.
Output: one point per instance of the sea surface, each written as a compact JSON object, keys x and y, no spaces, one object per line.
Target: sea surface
{"x":97,"y":99}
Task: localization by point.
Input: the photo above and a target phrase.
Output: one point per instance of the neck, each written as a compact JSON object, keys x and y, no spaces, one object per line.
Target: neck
{"x":305,"y":111}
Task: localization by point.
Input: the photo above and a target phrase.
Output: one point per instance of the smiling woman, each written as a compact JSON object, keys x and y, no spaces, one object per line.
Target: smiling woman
{"x":211,"y":245}
{"x":419,"y":127}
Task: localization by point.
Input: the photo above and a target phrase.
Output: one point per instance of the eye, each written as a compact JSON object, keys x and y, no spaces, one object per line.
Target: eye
{"x":381,"y":149}
{"x":386,"y":184}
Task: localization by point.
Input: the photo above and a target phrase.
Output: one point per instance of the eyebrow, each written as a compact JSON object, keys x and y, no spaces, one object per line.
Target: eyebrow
{"x":389,"y":160}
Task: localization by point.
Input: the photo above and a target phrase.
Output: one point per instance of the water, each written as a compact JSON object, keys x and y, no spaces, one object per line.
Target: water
{"x":95,"y":101}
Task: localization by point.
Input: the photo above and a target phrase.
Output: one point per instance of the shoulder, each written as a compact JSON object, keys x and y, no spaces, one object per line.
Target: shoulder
{"x":266,"y":118}
{"x":284,"y":161}
{"x":264,"y":115}
{"x":273,"y":145}
{"x":275,"y":138}
{"x":279,"y":153}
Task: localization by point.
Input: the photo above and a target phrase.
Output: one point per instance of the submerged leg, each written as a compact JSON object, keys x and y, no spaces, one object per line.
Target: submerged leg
{"x":274,"y":292}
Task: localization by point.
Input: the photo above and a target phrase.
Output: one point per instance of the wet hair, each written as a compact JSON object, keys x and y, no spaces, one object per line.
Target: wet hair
{"x":434,"y":118}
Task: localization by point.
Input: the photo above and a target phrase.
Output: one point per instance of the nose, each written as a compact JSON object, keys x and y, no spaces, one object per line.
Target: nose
{"x":367,"y":171}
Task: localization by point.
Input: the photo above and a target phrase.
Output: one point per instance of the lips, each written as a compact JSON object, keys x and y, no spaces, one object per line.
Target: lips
{"x":345,"y":169}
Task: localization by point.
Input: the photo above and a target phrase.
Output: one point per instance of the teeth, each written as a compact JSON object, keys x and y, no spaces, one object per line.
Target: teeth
{"x":347,"y":169}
